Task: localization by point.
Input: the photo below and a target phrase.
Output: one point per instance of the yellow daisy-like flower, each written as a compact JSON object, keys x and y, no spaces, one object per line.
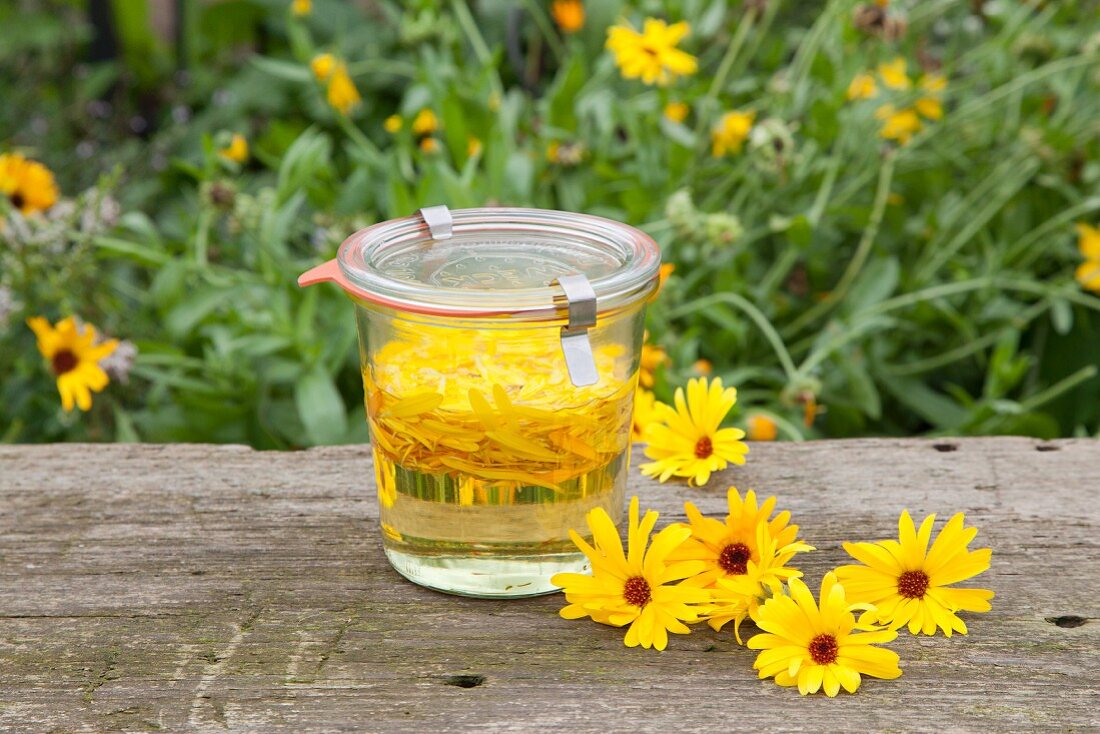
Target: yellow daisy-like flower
{"x":237,"y":150}
{"x":425,"y":122}
{"x":899,"y":125}
{"x":568,"y":14}
{"x":473,"y":146}
{"x":762,"y":428}
{"x":893,"y":74}
{"x":393,"y":124}
{"x":676,"y":111}
{"x":29,"y":185}
{"x":1088,"y":275}
{"x":652,"y":358}
{"x":726,"y":548}
{"x":731,"y":132}
{"x":301,"y":7}
{"x":929,"y":105}
{"x":429,"y":145}
{"x":651,"y":55}
{"x":687,"y":442}
{"x":745,"y":557}
{"x":817,"y":647}
{"x":862,"y":87}
{"x":645,"y":412}
{"x":342,"y":94}
{"x":635,"y":588}
{"x":1088,"y":242}
{"x":322,"y":66}
{"x":702,"y":367}
{"x":909,"y":583}
{"x":74,"y":358}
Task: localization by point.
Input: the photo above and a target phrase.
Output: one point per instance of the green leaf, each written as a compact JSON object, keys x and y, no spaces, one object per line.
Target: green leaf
{"x":320,"y":407}
{"x":876,"y":283}
{"x":282,"y":69}
{"x":1061,"y":315}
{"x":930,"y":405}
{"x":194,"y":308}
{"x":861,"y":388}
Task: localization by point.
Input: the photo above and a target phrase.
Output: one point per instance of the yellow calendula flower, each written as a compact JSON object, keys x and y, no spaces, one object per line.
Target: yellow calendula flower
{"x":651,"y":55}
{"x":731,"y":132}
{"x":862,"y":87}
{"x":301,"y":7}
{"x":74,"y":357}
{"x":817,"y":647}
{"x":702,"y":367}
{"x":429,"y":145}
{"x":638,"y":587}
{"x":929,"y":105}
{"x":687,"y":442}
{"x":393,"y":124}
{"x":425,"y":122}
{"x":1088,"y":275}
{"x":762,"y":428}
{"x":727,"y":547}
{"x":737,"y":597}
{"x":28,"y":185}
{"x":911,"y":584}
{"x":473,"y":146}
{"x":568,"y":14}
{"x":342,"y":94}
{"x":645,"y":412}
{"x":1088,"y":242}
{"x":323,"y":65}
{"x":237,"y":150}
{"x":652,"y":358}
{"x":892,"y":74}
{"x":899,"y":125}
{"x":676,"y":111}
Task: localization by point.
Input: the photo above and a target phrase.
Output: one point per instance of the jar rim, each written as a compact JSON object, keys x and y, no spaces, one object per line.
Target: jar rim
{"x":391,"y":264}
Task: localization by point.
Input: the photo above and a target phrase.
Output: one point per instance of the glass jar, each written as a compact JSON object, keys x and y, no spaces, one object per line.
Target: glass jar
{"x":499,"y":351}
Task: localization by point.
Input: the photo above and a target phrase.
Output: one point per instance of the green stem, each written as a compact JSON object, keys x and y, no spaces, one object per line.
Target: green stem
{"x":882,"y":192}
{"x":356,"y":135}
{"x":542,"y":20}
{"x":473,"y":35}
{"x":720,"y":75}
{"x":1023,"y":249}
{"x":962,"y":352}
{"x":753,"y":313}
{"x":382,"y":66}
{"x":1062,"y":386}
{"x":202,"y":237}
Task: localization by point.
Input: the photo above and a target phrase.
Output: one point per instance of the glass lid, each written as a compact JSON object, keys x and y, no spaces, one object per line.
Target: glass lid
{"x":498,"y":262}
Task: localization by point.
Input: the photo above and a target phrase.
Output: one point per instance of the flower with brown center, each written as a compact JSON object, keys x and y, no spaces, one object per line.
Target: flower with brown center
{"x":911,"y":583}
{"x":688,"y":441}
{"x":636,"y":588}
{"x":74,"y":358}
{"x":816,"y":646}
{"x":744,"y":557}
{"x":28,"y":185}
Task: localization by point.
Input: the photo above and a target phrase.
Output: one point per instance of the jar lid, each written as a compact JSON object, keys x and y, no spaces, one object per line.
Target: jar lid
{"x":497,"y":262}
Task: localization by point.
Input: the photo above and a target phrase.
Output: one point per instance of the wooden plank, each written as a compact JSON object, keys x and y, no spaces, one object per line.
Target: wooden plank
{"x":214,"y":587}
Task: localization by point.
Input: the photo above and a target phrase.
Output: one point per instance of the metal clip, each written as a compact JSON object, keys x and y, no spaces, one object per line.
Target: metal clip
{"x":575,"y":346}
{"x":439,"y":221}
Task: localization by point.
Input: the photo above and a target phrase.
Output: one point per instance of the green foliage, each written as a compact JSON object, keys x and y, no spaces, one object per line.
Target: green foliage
{"x":917,"y":288}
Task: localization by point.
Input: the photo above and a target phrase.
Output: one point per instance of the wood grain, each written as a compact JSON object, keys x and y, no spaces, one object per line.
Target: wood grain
{"x":208,"y":588}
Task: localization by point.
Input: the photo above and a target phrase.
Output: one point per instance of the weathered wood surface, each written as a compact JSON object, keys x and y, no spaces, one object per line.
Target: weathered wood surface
{"x":211,"y":588}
